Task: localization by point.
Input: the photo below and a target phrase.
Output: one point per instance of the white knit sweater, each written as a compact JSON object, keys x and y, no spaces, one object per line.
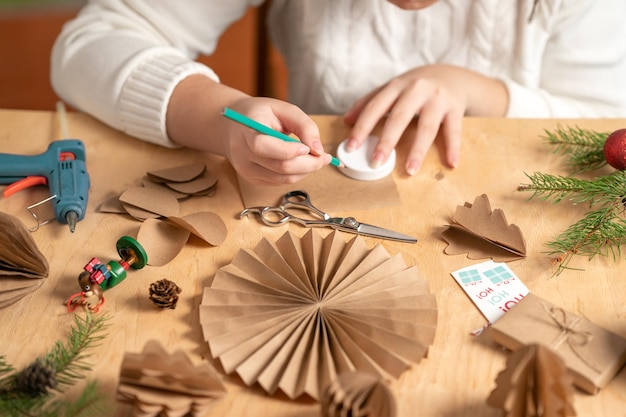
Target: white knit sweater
{"x":119,"y":60}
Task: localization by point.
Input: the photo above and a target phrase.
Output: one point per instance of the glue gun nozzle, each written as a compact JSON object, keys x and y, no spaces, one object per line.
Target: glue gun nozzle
{"x":71,"y":218}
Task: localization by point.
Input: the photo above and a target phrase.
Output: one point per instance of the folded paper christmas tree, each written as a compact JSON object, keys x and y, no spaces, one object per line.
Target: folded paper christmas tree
{"x":358,"y":394}
{"x":483,"y":233}
{"x":535,"y":383}
{"x":293,"y":314}
{"x":159,"y":384}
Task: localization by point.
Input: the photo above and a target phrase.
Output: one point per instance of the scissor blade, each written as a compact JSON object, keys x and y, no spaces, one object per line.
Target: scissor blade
{"x":375,"y":231}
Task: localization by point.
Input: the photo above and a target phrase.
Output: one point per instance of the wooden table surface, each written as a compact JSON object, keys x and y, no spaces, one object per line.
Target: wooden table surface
{"x":459,"y":372}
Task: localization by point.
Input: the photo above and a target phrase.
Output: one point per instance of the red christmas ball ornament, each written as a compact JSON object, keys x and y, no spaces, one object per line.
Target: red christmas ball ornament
{"x":615,"y":149}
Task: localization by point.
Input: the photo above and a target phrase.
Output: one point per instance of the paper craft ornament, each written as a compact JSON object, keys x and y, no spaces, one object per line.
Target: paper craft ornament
{"x":159,"y":384}
{"x":23,"y":267}
{"x":358,"y":394}
{"x":482,"y":233}
{"x":294,"y":314}
{"x":535,"y":383}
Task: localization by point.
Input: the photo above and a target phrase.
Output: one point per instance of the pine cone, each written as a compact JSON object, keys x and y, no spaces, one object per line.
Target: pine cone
{"x":37,"y":378}
{"x":164,"y":293}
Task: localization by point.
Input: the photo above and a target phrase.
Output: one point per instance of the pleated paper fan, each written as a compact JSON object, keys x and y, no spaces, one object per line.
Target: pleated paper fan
{"x":293,"y":314}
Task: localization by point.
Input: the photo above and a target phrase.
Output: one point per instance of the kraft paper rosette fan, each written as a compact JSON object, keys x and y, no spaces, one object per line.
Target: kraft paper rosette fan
{"x":294,"y":314}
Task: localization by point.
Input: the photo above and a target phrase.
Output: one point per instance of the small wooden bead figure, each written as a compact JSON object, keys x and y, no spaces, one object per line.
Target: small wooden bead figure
{"x":98,"y":277}
{"x":91,"y":296}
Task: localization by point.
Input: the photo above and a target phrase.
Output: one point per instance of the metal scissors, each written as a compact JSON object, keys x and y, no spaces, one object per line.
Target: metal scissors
{"x":277,"y":216}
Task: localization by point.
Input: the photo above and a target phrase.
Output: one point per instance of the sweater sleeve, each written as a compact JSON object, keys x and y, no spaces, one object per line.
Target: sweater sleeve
{"x":583,"y":62}
{"x":119,"y":60}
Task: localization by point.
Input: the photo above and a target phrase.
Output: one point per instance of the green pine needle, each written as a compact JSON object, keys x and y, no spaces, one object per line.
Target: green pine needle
{"x":584,"y":148}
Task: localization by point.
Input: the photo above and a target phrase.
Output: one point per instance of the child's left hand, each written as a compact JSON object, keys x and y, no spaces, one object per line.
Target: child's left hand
{"x":440,"y":95}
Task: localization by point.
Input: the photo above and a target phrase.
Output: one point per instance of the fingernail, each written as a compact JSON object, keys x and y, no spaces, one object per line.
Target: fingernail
{"x":377,"y":159}
{"x":412,"y":168}
{"x":352,"y":145}
{"x":454,"y":161}
{"x":327,"y":158}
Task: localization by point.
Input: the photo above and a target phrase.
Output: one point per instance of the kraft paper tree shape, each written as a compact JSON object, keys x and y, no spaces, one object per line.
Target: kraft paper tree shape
{"x":159,"y":384}
{"x":358,"y":394}
{"x":480,"y":232}
{"x":535,"y":383}
{"x":294,"y":314}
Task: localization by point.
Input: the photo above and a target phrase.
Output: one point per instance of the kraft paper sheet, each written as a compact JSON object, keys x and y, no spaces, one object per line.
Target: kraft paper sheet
{"x":329,"y":189}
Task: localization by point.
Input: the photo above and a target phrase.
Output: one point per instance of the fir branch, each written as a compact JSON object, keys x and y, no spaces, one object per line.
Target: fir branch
{"x":601,"y":191}
{"x":69,"y":359}
{"x":585,"y":148}
{"x":602,"y":231}
{"x":69,"y":363}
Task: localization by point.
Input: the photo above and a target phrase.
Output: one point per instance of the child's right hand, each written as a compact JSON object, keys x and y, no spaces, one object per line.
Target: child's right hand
{"x":265,"y":159}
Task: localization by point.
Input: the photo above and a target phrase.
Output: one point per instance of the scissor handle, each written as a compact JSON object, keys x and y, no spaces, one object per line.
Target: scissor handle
{"x":300,"y":199}
{"x":277,"y":216}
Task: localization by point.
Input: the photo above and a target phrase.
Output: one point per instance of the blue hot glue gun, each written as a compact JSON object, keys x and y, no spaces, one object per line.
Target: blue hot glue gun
{"x":62,"y":167}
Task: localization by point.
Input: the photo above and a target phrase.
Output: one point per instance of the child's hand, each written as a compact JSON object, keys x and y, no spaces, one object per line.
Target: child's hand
{"x":268,"y":160}
{"x":440,"y":95}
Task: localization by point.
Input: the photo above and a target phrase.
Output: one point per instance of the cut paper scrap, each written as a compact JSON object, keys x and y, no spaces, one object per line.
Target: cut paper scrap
{"x":535,"y":383}
{"x":163,"y":240}
{"x":183,"y":173}
{"x":153,"y":201}
{"x":164,"y":385}
{"x":358,"y":394}
{"x":482,"y":233}
{"x":23,"y":267}
{"x":293,"y":314}
{"x":186,"y":180}
{"x":161,"y":191}
{"x":492,"y":287}
{"x":206,"y":225}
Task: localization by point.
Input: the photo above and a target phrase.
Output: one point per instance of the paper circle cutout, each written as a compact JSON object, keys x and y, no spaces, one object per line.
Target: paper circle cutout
{"x":357,"y":162}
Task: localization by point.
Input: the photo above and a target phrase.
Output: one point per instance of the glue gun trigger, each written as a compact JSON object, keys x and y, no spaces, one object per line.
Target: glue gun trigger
{"x":24,"y":183}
